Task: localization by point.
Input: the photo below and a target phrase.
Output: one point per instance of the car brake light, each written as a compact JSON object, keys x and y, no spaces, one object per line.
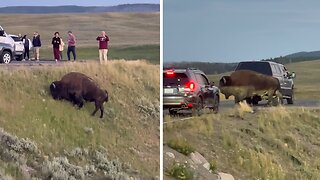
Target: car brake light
{"x":191,"y":86}
{"x":170,"y":73}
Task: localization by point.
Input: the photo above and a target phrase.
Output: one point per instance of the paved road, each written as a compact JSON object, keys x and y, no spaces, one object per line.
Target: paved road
{"x":230,"y":104}
{"x":36,"y":63}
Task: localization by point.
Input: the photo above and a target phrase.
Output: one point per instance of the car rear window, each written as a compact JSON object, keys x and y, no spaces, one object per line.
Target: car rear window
{"x":175,"y":79}
{"x":16,"y":39}
{"x":260,"y":67}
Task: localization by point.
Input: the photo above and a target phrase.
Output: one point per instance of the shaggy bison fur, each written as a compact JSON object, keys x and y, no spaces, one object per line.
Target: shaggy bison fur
{"x":77,"y":87}
{"x":245,"y":84}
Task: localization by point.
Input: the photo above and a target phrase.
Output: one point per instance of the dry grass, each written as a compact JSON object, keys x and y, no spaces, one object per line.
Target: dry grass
{"x":129,"y":130}
{"x":124,"y":29}
{"x":273,"y":143}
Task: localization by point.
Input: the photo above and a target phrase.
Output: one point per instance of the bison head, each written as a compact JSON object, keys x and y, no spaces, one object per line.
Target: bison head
{"x":55,"y":88}
{"x":224,"y":82}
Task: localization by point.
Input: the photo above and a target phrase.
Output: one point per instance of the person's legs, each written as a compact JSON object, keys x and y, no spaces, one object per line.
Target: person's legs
{"x":68,"y":52}
{"x":56,"y":53}
{"x":37,"y":53}
{"x":74,"y":53}
{"x":27,"y":54}
{"x":101,"y":55}
{"x":105,"y":55}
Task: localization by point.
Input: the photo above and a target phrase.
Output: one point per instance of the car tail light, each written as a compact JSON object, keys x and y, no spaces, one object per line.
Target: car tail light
{"x":170,"y":73}
{"x":191,"y":86}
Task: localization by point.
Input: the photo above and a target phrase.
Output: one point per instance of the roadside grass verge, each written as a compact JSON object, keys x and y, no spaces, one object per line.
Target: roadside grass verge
{"x":129,"y":130}
{"x":273,"y":143}
{"x":151,"y":53}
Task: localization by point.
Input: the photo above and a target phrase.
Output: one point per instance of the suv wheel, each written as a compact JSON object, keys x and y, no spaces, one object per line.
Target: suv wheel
{"x":5,"y":57}
{"x":290,"y":100}
{"x":173,"y":112}
{"x":197,"y":108}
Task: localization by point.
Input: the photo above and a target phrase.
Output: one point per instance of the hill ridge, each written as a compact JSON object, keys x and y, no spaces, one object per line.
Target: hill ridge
{"x":139,"y":7}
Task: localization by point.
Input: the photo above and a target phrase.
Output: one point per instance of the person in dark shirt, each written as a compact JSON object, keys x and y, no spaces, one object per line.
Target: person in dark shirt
{"x":25,"y":41}
{"x":103,"y":47}
{"x":36,"y":42}
{"x":56,"y":41}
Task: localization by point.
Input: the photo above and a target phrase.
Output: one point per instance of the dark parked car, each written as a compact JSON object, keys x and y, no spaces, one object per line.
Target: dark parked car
{"x":188,"y":89}
{"x":6,"y":53}
{"x":271,"y":69}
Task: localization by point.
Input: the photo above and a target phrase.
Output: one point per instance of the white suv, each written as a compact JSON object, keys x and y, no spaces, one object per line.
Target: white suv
{"x":7,"y":39}
{"x":18,"y":47}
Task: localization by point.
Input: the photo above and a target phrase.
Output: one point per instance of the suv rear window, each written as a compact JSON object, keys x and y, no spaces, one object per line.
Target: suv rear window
{"x":175,"y":80}
{"x":260,"y":67}
{"x":16,"y":39}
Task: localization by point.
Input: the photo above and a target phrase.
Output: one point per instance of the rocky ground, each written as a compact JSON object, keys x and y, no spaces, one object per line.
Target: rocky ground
{"x":194,"y":162}
{"x":29,"y":162}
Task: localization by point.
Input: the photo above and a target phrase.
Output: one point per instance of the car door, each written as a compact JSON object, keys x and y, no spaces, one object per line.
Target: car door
{"x":287,"y":81}
{"x":207,"y":91}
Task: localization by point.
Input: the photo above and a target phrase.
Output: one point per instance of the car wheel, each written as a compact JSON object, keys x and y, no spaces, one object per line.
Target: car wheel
{"x":255,"y":100}
{"x":173,"y":112}
{"x":5,"y":57}
{"x":290,"y":100}
{"x":216,"y":104}
{"x":198,"y":107}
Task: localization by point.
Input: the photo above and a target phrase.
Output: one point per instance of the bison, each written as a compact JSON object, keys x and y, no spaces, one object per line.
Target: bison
{"x":246,"y":84}
{"x":77,"y":87}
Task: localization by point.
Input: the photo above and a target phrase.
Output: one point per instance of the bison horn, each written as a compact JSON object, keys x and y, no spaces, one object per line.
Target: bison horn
{"x":224,"y":80}
{"x":54,"y":86}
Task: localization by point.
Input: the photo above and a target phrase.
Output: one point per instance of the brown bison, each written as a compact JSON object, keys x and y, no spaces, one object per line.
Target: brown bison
{"x":77,"y":87}
{"x":246,"y":84}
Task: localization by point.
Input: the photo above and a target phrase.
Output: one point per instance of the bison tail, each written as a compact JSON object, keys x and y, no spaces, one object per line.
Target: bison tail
{"x":107,"y":96}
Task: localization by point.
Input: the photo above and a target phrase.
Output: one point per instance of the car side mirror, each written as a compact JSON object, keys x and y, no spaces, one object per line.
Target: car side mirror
{"x":2,"y":33}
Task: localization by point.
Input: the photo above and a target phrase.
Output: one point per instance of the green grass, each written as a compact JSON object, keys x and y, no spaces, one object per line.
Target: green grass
{"x":151,"y":53}
{"x":277,"y":143}
{"x":130,"y":125}
{"x":180,"y":172}
{"x":181,"y":145}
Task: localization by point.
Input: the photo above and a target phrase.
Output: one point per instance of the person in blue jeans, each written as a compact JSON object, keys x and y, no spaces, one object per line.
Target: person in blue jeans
{"x":71,"y":45}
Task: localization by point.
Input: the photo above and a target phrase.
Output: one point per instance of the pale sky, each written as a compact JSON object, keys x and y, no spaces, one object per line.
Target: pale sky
{"x":72,"y":2}
{"x":234,"y":30}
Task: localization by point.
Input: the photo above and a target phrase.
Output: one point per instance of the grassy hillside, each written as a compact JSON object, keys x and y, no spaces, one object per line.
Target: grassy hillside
{"x":307,"y":82}
{"x":276,"y":143}
{"x":272,"y":143}
{"x":128,"y":133}
{"x":151,"y":53}
{"x":124,"y":29}
{"x":132,"y":35}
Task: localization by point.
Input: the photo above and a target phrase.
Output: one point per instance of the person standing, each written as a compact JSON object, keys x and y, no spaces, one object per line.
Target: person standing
{"x":36,"y":42}
{"x":103,"y":47}
{"x":56,"y":41}
{"x":61,"y":48}
{"x":26,"y":44}
{"x":71,"y":45}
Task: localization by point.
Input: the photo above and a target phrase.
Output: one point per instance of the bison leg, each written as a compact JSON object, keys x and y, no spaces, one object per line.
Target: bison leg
{"x":101,"y":111}
{"x":96,"y":109}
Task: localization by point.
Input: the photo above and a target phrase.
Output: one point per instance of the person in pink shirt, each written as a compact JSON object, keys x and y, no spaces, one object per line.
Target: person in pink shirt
{"x":71,"y":45}
{"x":103,"y":47}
